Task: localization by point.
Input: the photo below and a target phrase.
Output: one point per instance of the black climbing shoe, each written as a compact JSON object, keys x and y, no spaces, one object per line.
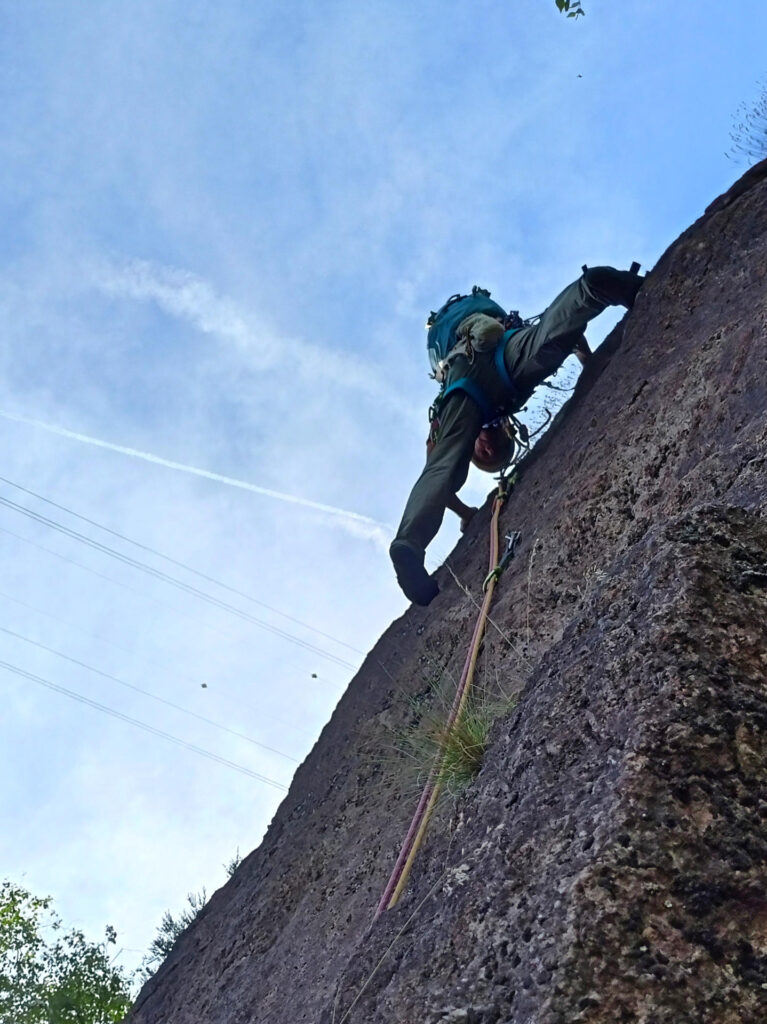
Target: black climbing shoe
{"x":417,"y":585}
{"x":614,"y":287}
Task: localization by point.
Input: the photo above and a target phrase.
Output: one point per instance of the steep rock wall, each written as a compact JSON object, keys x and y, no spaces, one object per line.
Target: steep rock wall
{"x":610,"y":861}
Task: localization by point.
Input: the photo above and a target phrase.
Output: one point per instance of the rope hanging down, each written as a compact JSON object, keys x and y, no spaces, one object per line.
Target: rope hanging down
{"x":415,"y":835}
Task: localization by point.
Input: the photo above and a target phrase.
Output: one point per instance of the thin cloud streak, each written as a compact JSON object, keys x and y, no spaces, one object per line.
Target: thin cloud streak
{"x":353,"y":522}
{"x":185,"y":296}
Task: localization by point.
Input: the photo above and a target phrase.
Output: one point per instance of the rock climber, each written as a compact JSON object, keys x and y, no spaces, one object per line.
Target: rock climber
{"x":490,"y":370}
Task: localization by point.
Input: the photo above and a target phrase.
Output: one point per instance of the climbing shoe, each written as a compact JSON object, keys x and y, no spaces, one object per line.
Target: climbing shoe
{"x":614,"y":287}
{"x":416,"y":584}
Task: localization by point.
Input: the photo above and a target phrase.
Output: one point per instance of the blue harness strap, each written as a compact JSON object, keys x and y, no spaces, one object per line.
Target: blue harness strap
{"x":500,"y":362}
{"x":474,"y":391}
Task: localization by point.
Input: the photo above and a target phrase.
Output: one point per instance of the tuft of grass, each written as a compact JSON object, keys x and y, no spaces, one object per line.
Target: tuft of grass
{"x":460,"y":750}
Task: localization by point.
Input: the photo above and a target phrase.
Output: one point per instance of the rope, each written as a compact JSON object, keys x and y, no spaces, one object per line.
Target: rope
{"x":431,"y":791}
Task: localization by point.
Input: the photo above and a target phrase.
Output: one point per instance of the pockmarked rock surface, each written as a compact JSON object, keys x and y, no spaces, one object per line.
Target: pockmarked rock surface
{"x":609,"y":863}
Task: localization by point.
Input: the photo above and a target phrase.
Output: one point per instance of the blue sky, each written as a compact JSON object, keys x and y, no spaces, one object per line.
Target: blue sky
{"x":224,"y":225}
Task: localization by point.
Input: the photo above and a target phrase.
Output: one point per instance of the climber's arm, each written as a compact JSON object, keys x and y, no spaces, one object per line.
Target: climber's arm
{"x":463,"y":511}
{"x":582,"y":350}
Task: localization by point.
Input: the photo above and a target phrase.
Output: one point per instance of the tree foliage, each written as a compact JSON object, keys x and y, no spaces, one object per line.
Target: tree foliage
{"x":570,"y":8}
{"x":234,"y":863}
{"x":172,"y":925}
{"x":749,"y":133}
{"x":48,"y":976}
{"x":169,"y":930}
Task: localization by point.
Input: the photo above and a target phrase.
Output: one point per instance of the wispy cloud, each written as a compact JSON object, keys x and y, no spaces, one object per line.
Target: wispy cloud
{"x":182,"y":294}
{"x":353,"y":522}
{"x":186,"y":296}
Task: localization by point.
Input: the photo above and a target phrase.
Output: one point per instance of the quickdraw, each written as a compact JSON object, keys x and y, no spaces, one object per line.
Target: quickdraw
{"x":512,"y":539}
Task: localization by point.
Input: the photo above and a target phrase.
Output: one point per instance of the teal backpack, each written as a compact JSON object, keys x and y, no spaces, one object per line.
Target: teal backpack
{"x":441,"y":341}
{"x":443,"y":324}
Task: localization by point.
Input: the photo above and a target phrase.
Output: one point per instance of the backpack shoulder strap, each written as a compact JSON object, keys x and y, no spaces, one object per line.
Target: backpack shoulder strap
{"x":500,"y":362}
{"x":474,"y":391}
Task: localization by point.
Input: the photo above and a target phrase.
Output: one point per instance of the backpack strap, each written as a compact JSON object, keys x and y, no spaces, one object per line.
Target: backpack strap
{"x":500,"y":362}
{"x":442,"y":368}
{"x":473,"y":390}
{"x":516,"y":399}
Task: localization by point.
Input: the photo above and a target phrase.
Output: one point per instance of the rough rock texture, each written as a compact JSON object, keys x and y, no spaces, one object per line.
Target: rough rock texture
{"x":609,"y":864}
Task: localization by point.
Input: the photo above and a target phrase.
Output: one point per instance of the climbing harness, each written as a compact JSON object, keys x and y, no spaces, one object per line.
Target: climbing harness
{"x":514,"y":428}
{"x":423,"y":812}
{"x":446,"y":344}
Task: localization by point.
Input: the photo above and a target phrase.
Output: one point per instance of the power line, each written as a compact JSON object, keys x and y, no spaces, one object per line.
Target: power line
{"x":140,"y":725}
{"x":179,"y":584}
{"x":217,"y":690}
{"x":180,"y":564}
{"x":164,"y":577}
{"x":123,"y":586}
{"x":36,"y":517}
{"x":146,"y":693}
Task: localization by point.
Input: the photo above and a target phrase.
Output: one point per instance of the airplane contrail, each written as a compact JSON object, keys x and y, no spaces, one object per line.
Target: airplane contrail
{"x":359,"y":525}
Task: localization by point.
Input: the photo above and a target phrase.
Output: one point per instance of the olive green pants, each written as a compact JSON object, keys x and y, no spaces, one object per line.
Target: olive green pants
{"x":531,"y":354}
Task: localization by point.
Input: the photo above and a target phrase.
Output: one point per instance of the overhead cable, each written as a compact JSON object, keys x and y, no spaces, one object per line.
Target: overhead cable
{"x":146,"y":693}
{"x":217,"y":690}
{"x":141,"y":725}
{"x":116,"y":583}
{"x":181,"y":565}
{"x":187,"y":588}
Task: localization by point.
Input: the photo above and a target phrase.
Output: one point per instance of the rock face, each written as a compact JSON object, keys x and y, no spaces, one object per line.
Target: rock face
{"x":609,"y":863}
